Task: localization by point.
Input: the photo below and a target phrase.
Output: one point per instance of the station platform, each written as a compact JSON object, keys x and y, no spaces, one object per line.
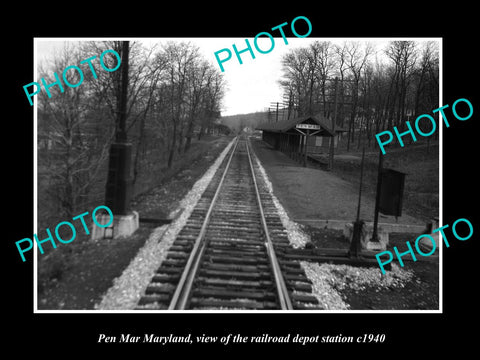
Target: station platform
{"x":314,"y":197}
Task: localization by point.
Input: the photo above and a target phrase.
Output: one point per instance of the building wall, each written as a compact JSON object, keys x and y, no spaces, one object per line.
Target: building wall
{"x":320,"y":144}
{"x":315,"y":144}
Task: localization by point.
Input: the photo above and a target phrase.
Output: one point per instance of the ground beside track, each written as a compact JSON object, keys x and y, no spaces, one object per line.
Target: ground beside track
{"x":311,"y":193}
{"x":76,"y":276}
{"x":69,"y":279}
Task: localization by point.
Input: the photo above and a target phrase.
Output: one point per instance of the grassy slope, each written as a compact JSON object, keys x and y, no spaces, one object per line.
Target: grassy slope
{"x":421,"y":193}
{"x":75,"y":275}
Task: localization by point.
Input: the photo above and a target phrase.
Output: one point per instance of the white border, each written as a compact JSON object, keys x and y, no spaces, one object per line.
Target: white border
{"x":35,"y":182}
{"x":440,"y":173}
{"x":222,"y":42}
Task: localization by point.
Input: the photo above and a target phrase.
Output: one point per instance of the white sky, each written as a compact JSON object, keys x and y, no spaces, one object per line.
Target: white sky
{"x":251,"y":86}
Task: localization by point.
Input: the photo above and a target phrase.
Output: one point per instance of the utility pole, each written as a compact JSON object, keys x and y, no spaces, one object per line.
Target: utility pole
{"x":118,"y":189}
{"x":334,"y":120}
{"x":121,"y":134}
{"x":119,"y":181}
{"x":305,"y":148}
{"x":377,"y":197}
{"x":355,"y":245}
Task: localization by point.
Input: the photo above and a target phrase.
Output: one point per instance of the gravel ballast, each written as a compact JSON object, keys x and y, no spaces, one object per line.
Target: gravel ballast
{"x":328,"y":280}
{"x":296,"y":236}
{"x":130,"y":286}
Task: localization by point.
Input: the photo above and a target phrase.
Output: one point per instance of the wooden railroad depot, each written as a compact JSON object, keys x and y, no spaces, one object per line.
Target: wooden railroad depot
{"x":302,"y":137}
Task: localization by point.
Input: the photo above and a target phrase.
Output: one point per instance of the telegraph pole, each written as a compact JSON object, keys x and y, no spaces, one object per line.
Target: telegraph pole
{"x":377,"y":196}
{"x":118,"y":188}
{"x":119,"y":181}
{"x":334,"y":120}
{"x":121,"y":135}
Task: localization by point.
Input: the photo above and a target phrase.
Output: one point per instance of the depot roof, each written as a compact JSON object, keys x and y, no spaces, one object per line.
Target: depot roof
{"x":319,"y":122}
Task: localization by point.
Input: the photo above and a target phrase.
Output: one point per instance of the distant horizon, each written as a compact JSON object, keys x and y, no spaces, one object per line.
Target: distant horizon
{"x":247,"y":113}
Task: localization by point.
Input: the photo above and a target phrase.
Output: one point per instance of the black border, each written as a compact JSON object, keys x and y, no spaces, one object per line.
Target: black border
{"x":406,"y":333}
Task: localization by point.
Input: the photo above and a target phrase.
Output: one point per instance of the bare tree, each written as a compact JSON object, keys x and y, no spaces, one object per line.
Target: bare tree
{"x":356,"y":59}
{"x":171,"y":91}
{"x":426,"y":79}
{"x":374,"y":95}
{"x":296,"y":76}
{"x":404,"y":55}
{"x":198,"y":80}
{"x":75,"y":155}
{"x":323,"y":64}
{"x":178,"y":58}
{"x":340,"y":55}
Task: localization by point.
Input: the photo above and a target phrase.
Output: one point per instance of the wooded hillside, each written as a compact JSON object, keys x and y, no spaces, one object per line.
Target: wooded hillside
{"x":173,"y":96}
{"x":240,"y":121}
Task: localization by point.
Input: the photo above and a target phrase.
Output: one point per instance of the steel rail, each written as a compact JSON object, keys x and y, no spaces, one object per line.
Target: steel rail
{"x":282,"y":292}
{"x":182,"y":292}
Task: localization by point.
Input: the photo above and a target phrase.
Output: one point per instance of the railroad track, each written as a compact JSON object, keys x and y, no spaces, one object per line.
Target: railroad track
{"x":231,"y":252}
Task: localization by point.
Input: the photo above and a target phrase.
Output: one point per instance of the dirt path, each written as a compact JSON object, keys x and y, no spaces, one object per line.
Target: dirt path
{"x":316,"y":194}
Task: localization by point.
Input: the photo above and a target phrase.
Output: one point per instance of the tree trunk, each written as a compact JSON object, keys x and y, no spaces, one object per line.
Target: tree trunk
{"x":136,"y":160}
{"x":172,"y":149}
{"x":188,"y":139}
{"x":351,"y":132}
{"x":202,"y":127}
